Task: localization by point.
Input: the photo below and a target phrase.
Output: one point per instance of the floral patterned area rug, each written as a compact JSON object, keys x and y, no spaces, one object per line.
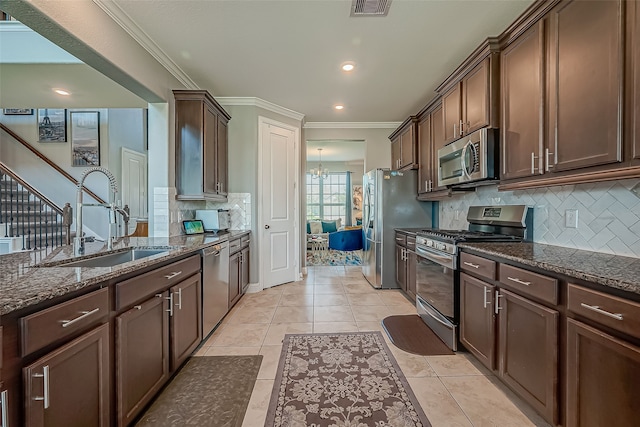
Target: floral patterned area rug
{"x":341,"y":380}
{"x":334,"y":257}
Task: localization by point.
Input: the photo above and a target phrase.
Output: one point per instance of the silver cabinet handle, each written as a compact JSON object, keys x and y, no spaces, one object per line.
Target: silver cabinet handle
{"x":173,"y":274}
{"x":158,"y":295}
{"x":137,"y":307}
{"x":45,"y":387}
{"x":533,"y":163}
{"x":546,"y":156}
{"x":179,"y":304}
{"x":461,"y":127}
{"x":486,"y":301}
{"x":170,"y":298}
{"x":515,"y":279}
{"x":497,"y":306}
{"x":471,"y":265}
{"x":455,"y":131}
{"x":84,"y":314}
{"x":4,"y":408}
{"x":597,"y":309}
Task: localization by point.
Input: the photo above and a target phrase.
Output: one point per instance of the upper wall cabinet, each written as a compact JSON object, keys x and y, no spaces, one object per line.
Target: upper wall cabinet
{"x":585,"y":85}
{"x":470,"y":94}
{"x":633,"y":80}
{"x":430,"y":140}
{"x":201,"y":146}
{"x":404,"y":151}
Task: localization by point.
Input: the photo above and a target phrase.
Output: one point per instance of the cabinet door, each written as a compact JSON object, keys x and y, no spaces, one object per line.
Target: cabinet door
{"x":633,"y":81}
{"x":522,"y":126}
{"x":437,"y":141}
{"x":585,"y":84}
{"x":529,"y":352}
{"x":210,"y":184}
{"x":186,"y":319}
{"x":244,"y":281}
{"x":189,"y":147}
{"x":477,"y":321}
{"x":411,"y":274}
{"x":475,"y":98}
{"x":222,"y":159}
{"x":70,"y":386}
{"x":395,"y":153}
{"x":401,"y":268}
{"x":234,"y":278}
{"x":142,"y":355}
{"x":408,"y":147}
{"x":452,"y":113}
{"x":603,"y":378}
{"x":425,"y":154}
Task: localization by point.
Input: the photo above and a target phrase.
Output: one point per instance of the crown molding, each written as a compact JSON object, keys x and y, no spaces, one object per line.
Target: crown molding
{"x":116,"y":13}
{"x":352,"y":125}
{"x":261,"y":103}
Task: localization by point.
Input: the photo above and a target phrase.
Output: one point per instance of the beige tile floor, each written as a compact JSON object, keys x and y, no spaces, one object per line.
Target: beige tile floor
{"x":452,"y":390}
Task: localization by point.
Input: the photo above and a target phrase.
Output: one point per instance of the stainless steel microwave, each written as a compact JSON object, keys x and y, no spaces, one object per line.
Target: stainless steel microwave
{"x":469,"y":159}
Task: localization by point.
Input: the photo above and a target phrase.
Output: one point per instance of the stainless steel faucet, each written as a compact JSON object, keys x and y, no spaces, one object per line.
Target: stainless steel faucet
{"x":78,"y":241}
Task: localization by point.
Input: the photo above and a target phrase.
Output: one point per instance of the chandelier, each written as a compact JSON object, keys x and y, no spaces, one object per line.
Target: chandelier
{"x":319,"y":172}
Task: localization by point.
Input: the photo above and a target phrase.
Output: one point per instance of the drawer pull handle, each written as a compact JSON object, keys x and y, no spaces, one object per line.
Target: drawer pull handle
{"x":597,"y":309}
{"x":45,"y":387}
{"x":137,"y":307}
{"x":471,"y":264}
{"x":173,"y":274}
{"x":4,"y":408}
{"x":515,"y":279}
{"x":85,"y":314}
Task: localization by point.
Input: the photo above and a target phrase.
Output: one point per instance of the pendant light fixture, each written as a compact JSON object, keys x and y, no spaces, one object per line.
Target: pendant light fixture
{"x":319,"y":172}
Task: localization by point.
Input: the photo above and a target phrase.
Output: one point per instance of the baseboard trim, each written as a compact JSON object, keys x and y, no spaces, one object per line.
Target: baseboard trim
{"x":253,"y":288}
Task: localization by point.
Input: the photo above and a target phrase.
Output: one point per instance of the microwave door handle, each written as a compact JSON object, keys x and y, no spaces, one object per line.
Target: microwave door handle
{"x":463,"y":161}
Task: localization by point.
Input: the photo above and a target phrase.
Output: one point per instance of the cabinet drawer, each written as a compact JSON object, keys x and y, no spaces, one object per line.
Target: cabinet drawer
{"x":141,"y":287}
{"x":528,"y":283}
{"x":617,"y":313}
{"x":401,"y":239}
{"x":234,"y":245}
{"x":245,"y":240}
{"x":47,"y":326}
{"x":411,"y":242}
{"x":478,"y":265}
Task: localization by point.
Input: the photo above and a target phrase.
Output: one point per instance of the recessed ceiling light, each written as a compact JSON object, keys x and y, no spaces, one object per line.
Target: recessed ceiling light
{"x":62,"y":92}
{"x":339,"y":107}
{"x":348,"y":66}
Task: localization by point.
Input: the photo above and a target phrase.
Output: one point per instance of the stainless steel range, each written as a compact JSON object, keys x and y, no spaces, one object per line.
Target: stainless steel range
{"x":437,"y":278}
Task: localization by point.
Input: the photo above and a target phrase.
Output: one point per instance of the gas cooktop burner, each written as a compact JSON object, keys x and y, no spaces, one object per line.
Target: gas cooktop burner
{"x":455,"y":236}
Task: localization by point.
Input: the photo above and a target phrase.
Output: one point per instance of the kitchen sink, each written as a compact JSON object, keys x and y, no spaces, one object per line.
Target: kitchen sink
{"x":111,"y":259}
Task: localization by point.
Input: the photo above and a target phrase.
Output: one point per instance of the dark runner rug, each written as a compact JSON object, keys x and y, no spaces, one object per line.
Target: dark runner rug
{"x":208,"y":391}
{"x":411,"y":334}
{"x":341,"y":379}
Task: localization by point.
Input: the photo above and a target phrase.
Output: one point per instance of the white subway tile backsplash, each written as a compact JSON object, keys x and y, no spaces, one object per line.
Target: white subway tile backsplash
{"x":608,"y":214}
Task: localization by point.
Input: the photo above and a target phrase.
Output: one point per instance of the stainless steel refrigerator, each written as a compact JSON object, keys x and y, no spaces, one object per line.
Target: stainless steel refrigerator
{"x":389,"y":202}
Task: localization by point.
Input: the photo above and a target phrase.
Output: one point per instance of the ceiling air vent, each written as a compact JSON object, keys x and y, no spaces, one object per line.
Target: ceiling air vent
{"x":370,"y":7}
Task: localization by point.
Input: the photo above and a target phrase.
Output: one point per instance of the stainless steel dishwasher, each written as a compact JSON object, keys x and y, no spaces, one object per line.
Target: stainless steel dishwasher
{"x":215,"y":285}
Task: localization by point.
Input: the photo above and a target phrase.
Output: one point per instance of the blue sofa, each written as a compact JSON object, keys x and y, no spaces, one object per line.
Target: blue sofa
{"x":346,"y":240}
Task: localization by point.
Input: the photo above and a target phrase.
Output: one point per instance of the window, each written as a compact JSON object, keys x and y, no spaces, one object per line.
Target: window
{"x":327,"y":197}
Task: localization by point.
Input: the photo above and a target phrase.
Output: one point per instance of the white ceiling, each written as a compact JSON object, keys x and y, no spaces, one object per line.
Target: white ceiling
{"x":289,"y":52}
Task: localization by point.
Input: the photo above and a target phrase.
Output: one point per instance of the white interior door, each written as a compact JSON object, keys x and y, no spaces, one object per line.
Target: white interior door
{"x":134,"y":185}
{"x":279,"y":154}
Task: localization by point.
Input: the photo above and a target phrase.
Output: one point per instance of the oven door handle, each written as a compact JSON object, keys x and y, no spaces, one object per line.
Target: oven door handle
{"x":443,"y":260}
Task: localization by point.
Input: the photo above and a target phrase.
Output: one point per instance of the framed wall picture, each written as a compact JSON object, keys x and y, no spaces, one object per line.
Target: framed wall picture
{"x":85,"y":138}
{"x":18,"y":111}
{"x":52,"y":125}
{"x":357,"y":197}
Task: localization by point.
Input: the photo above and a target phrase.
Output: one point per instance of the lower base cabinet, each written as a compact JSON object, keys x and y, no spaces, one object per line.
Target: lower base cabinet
{"x":185,"y":319}
{"x":70,"y":386}
{"x":238,"y":268}
{"x":477,"y":320}
{"x":234,"y":278}
{"x":142,"y":355}
{"x":603,"y":378}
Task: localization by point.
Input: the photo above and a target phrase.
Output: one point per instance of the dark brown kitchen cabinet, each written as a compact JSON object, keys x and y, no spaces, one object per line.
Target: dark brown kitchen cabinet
{"x":585,"y":85}
{"x":603,"y":378}
{"x":4,"y":406}
{"x":142,"y":355}
{"x":201,"y":146}
{"x":404,"y":146}
{"x":244,"y":270}
{"x":238,"y":268}
{"x":528,"y":351}
{"x":477,"y":321}
{"x":406,"y":263}
{"x":401,"y":267}
{"x":425,"y":155}
{"x":522,"y":135}
{"x":437,"y":142}
{"x":70,"y":386}
{"x":234,"y":278}
{"x":465,"y":107}
{"x":185,"y":317}
{"x":633,"y":80}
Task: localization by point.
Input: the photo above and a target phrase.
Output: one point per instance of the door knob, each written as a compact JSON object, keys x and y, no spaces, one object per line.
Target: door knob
{"x":266,"y":227}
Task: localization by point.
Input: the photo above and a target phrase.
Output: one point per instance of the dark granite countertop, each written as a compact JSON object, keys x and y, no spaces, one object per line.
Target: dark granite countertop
{"x":23,"y":285}
{"x":609,"y":270}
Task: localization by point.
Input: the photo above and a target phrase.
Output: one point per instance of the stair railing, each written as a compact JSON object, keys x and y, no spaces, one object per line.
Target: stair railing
{"x":26,"y":213}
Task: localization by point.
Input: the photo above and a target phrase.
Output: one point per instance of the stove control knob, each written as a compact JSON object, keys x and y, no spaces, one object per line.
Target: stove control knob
{"x":441,"y":246}
{"x":430,"y":243}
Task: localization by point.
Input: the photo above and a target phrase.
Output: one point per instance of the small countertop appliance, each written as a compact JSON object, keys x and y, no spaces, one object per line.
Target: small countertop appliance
{"x":214,"y":220}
